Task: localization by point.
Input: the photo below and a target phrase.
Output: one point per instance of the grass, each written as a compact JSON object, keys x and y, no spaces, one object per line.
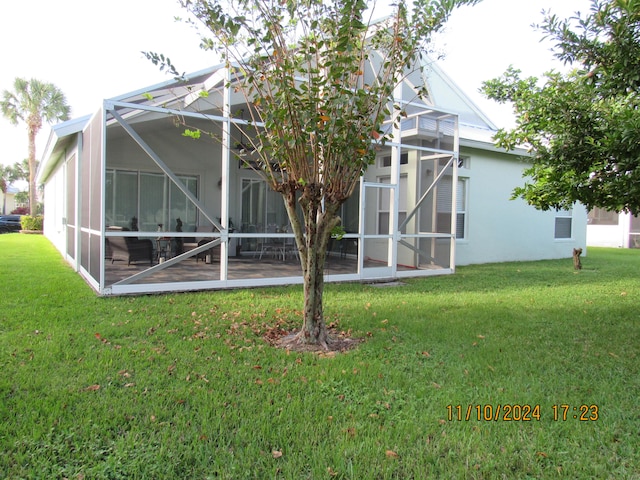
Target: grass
{"x":184,"y":386}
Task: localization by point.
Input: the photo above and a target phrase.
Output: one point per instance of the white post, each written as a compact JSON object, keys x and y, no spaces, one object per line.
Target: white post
{"x":394,"y":200}
{"x":226,"y":158}
{"x":454,"y":196}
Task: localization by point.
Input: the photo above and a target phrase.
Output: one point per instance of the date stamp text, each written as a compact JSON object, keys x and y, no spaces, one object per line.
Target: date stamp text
{"x":522,"y":412}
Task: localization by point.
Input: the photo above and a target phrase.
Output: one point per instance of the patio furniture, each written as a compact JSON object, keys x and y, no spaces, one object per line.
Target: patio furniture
{"x":131,"y":248}
{"x":163,"y":248}
{"x":291,"y":248}
{"x":272,"y":246}
{"x":190,"y":243}
{"x":213,"y":253}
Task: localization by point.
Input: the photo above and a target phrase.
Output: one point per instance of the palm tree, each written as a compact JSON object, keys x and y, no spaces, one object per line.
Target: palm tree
{"x":33,"y":102}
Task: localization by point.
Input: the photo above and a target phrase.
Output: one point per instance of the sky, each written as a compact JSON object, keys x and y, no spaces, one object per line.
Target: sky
{"x":92,"y":50}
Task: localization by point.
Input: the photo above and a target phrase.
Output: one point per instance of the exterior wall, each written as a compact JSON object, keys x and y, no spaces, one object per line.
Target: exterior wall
{"x":624,"y":234}
{"x":55,"y":196}
{"x":615,"y":236}
{"x":499,"y":229}
{"x":8,"y":202}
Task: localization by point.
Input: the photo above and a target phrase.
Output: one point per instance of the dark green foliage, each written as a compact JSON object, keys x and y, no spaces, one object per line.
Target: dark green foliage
{"x":582,"y":128}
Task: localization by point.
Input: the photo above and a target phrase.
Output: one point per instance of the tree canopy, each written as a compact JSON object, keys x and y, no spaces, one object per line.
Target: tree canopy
{"x":583,"y":127}
{"x":316,"y":101}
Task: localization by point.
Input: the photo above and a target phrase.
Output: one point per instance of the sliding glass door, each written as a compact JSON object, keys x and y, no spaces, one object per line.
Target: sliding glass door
{"x":151,"y":198}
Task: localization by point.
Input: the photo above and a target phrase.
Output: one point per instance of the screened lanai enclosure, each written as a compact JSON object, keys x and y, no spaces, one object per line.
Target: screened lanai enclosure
{"x":148,"y":208}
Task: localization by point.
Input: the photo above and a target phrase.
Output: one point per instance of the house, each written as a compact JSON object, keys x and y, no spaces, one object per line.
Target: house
{"x":8,"y":201}
{"x":135,"y":206}
{"x":611,"y":229}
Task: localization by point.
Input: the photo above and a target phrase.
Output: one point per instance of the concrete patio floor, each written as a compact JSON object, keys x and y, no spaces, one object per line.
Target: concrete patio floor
{"x":241,"y":267}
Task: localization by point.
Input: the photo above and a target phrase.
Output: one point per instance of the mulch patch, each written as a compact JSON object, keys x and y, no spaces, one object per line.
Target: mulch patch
{"x":338,"y":341}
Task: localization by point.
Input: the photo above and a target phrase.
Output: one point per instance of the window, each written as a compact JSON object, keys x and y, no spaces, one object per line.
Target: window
{"x":121,"y":191}
{"x":386,"y":161}
{"x":463,"y":162}
{"x":150,"y":197}
{"x":444,"y":209}
{"x":563,"y":224}
{"x":262,"y":208}
{"x":152,"y":212}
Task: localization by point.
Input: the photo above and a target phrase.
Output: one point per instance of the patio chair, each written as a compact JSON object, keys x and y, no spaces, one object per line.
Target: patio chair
{"x":272,"y":246}
{"x":131,"y":248}
{"x":213,"y":252}
{"x":190,"y":243}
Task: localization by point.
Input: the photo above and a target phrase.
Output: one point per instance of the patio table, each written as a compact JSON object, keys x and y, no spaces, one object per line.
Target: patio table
{"x":163,"y":248}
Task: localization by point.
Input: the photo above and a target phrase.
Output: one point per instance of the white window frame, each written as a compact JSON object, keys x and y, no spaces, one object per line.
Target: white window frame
{"x":561,"y":217}
{"x":461,"y":204}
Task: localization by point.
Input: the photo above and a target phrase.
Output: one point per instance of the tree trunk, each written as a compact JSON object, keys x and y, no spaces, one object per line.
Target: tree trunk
{"x":312,"y":242}
{"x":314,"y":330}
{"x":32,"y":132}
{"x":577,"y":264}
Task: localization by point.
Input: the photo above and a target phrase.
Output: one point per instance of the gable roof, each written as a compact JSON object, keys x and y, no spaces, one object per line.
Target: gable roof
{"x":475,"y":128}
{"x":60,"y":136}
{"x":446,"y":93}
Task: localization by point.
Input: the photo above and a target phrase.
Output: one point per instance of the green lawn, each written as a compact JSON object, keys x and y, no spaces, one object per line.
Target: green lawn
{"x":183,"y":386}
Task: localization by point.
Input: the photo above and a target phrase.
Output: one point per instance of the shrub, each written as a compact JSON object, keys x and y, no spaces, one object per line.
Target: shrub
{"x":20,"y":211}
{"x":31,"y":223}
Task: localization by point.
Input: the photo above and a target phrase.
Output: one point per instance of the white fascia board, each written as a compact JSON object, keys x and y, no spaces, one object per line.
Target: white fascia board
{"x":472,"y":136}
{"x":165,"y":84}
{"x":491,"y":147}
{"x":218,"y":78}
{"x":58,"y":138}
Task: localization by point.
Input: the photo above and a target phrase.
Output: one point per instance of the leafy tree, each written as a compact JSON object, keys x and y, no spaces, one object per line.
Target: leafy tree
{"x":33,"y":102}
{"x":583,"y":127}
{"x":316,"y":113}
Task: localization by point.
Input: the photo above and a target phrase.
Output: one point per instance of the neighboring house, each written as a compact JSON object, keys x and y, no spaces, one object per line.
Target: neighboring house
{"x":611,"y":229}
{"x":116,"y":183}
{"x":8,"y":203}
